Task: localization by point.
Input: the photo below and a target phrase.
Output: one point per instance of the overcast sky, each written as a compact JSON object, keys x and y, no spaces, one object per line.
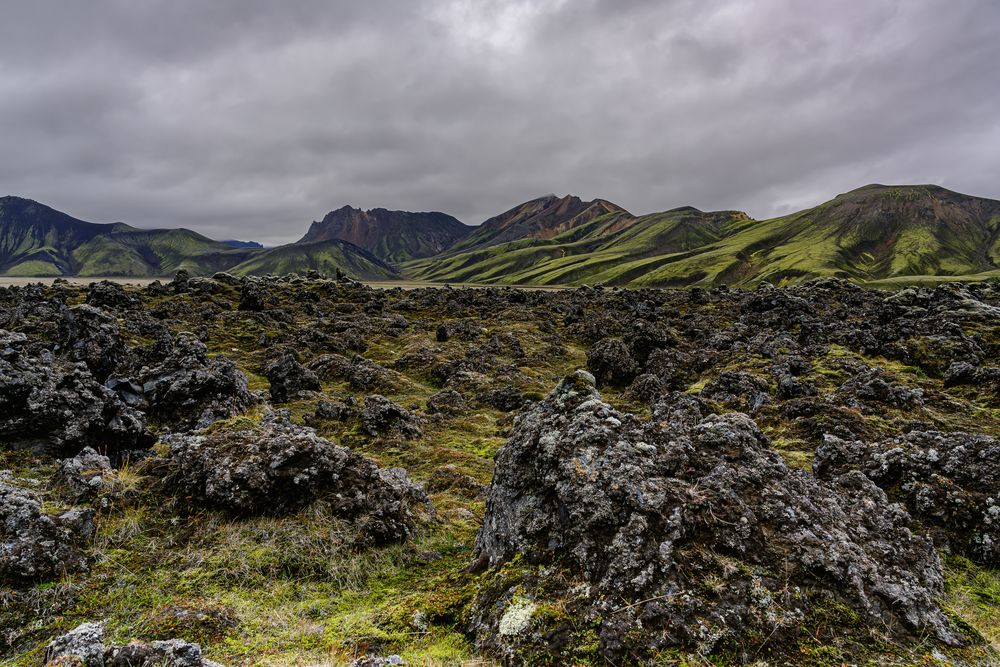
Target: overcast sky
{"x":250,"y":118}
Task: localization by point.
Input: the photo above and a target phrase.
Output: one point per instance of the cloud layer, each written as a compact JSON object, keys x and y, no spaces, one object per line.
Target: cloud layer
{"x":250,"y":118}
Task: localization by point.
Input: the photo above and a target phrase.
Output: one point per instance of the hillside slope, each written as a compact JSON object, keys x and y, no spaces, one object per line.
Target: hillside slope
{"x":323,"y":256}
{"x":155,"y":252}
{"x":394,"y":236}
{"x":578,"y":255}
{"x":36,"y":240}
{"x":542,"y":218}
{"x":873,"y":233}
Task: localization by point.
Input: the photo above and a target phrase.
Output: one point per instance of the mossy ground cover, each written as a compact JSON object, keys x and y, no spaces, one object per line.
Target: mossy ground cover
{"x":290,"y":591}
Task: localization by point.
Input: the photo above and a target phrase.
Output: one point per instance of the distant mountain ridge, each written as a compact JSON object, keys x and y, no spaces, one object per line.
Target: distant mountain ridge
{"x":874,"y":233}
{"x":541,"y":218}
{"x":36,"y":240}
{"x":235,"y":243}
{"x":394,"y":236}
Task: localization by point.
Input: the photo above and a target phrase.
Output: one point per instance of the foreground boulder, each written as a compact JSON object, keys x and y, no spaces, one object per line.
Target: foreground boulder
{"x":276,"y":467}
{"x":190,"y":389}
{"x":84,"y":646}
{"x":36,"y":546}
{"x":949,"y":481}
{"x":613,"y":538}
{"x":57,"y":406}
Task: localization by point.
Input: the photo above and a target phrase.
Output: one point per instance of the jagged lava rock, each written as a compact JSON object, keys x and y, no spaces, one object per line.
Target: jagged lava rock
{"x":56,"y":405}
{"x":93,"y":337}
{"x":288,"y":378}
{"x":84,"y":646}
{"x":611,"y":362}
{"x":82,"y":476}
{"x":36,"y":546}
{"x":190,"y":389}
{"x":277,"y":467}
{"x":381,"y":416}
{"x":949,"y":481}
{"x":106,"y":294}
{"x":639,"y":518}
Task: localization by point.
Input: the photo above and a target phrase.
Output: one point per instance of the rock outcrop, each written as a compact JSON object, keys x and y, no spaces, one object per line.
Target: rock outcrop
{"x":381,"y":416}
{"x":83,"y":476}
{"x":276,"y":467}
{"x":34,"y":545}
{"x":949,"y":481}
{"x":93,"y":337}
{"x":695,"y":535}
{"x":289,"y":378}
{"x":84,"y":646}
{"x":189,"y":389}
{"x":55,"y":405}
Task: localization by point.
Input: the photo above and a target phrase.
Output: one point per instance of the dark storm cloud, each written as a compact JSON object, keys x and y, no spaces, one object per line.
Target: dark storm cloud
{"x":249,"y":118}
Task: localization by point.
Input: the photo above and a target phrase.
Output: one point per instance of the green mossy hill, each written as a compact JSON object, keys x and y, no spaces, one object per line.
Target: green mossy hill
{"x":877,"y":232}
{"x":323,"y":256}
{"x":158,"y":252}
{"x":36,"y":240}
{"x":614,"y":248}
{"x":542,"y":218}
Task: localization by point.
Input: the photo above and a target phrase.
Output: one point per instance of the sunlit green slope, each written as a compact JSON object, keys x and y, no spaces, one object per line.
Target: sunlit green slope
{"x":323,"y":256}
{"x":872,"y":233}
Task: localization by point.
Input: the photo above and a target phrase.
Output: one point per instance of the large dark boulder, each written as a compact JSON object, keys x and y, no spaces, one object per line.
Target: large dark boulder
{"x":253,"y":297}
{"x":93,"y":337}
{"x":611,"y":362}
{"x":381,"y":416}
{"x":289,"y":378}
{"x":276,"y":467}
{"x":112,"y":296}
{"x":190,"y":389}
{"x":624,"y":538}
{"x":35,"y":545}
{"x":56,"y":406}
{"x":949,"y":481}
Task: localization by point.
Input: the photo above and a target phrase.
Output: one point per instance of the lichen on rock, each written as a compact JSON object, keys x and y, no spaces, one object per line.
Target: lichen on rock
{"x":689,"y":535}
{"x":277,"y":467}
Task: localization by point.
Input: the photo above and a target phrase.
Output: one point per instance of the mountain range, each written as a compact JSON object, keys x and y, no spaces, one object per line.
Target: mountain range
{"x":875,"y":233}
